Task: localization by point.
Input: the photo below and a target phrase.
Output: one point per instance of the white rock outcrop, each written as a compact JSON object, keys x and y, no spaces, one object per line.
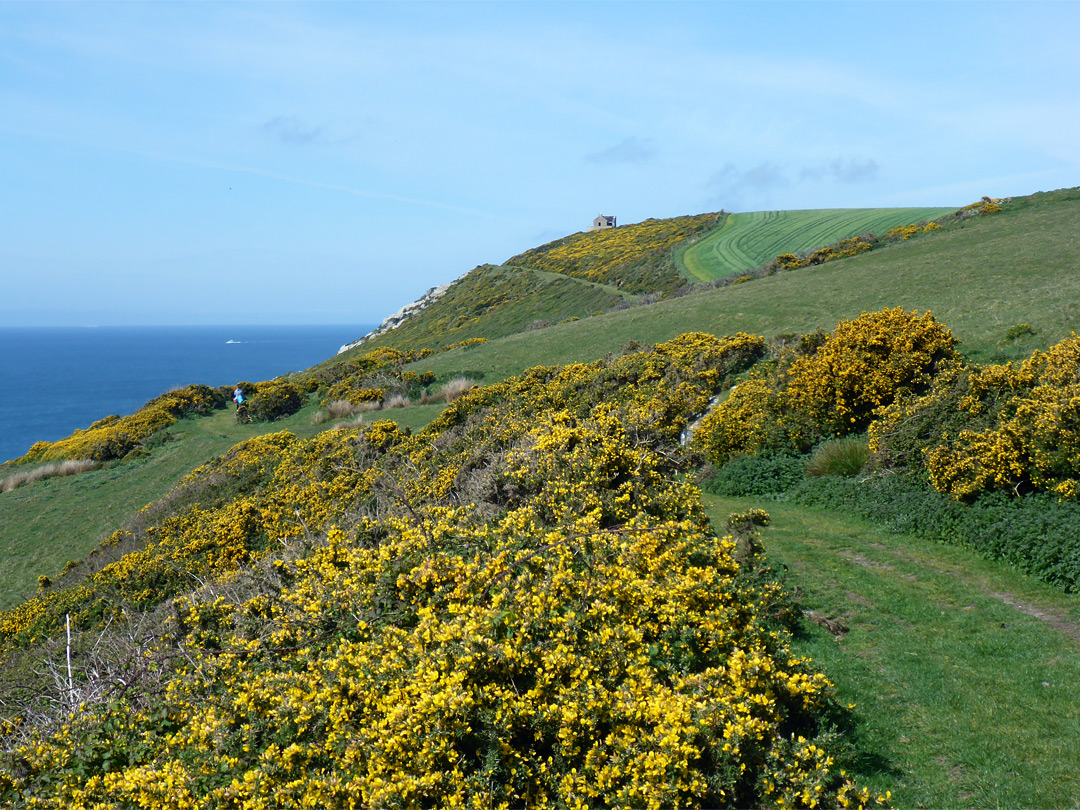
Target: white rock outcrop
{"x":398,"y":318}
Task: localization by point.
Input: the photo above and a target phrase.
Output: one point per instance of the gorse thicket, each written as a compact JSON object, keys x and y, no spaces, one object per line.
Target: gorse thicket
{"x":1000,"y":427}
{"x":636,"y":258}
{"x":115,"y":436}
{"x":522,"y":605}
{"x":898,"y":377}
{"x":830,"y":385}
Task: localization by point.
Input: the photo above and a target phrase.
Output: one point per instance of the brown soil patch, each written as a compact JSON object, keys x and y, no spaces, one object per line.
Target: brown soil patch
{"x":856,"y":599}
{"x":834,"y":626}
{"x":1054,"y":617}
{"x":866,"y":562}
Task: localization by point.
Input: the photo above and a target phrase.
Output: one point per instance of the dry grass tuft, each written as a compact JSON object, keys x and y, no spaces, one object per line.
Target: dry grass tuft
{"x":456,"y":388}
{"x":341,"y":409}
{"x":52,"y":470}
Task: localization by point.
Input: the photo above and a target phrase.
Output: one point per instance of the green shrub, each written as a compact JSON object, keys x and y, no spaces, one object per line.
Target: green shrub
{"x":767,"y":473}
{"x":1036,"y":533}
{"x":273,"y":400}
{"x":1019,"y":331}
{"x":846,"y":456}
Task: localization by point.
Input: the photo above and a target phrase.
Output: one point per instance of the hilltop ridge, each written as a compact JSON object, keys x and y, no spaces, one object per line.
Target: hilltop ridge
{"x":547,"y":288}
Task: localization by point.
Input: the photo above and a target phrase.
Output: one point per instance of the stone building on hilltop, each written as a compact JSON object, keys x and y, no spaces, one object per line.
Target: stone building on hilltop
{"x":602,"y":223}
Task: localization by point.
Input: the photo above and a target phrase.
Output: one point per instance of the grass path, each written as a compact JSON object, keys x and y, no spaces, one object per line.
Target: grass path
{"x":965,"y":674}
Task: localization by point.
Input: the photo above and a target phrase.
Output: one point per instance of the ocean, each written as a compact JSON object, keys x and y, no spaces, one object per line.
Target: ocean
{"x":54,"y":380}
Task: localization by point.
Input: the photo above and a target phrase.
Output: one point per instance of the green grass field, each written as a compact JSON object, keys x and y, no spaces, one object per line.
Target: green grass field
{"x":965,"y":674}
{"x":746,"y":241}
{"x":981,"y":278}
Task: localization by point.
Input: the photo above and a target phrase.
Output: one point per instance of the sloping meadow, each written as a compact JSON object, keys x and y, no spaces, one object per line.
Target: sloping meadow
{"x":520,"y":606}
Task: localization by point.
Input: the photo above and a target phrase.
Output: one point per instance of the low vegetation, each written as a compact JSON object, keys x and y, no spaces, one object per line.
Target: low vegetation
{"x":847,"y":457}
{"x":511,"y":595}
{"x":50,"y":470}
{"x":635,"y":258}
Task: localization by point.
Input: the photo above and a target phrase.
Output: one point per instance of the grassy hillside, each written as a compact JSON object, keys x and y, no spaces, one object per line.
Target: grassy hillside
{"x":575,"y":277}
{"x":983,"y":278}
{"x":749,"y":240}
{"x":524,"y":599}
{"x":636,"y":258}
{"x":491,"y":302}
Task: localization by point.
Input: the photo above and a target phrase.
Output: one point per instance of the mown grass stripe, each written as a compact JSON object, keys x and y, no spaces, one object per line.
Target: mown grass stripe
{"x":750,"y":240}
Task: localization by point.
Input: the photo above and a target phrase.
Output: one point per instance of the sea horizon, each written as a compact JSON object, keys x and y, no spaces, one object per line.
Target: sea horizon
{"x":57,"y":379}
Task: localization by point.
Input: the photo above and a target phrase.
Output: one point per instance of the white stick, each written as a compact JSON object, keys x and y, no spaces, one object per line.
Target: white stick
{"x":71,"y":686}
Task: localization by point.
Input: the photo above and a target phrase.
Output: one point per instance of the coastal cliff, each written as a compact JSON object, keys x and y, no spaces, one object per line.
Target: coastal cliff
{"x":392,"y":322}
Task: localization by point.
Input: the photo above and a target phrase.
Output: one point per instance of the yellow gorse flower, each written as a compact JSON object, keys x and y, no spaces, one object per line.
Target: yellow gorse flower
{"x":521,"y":605}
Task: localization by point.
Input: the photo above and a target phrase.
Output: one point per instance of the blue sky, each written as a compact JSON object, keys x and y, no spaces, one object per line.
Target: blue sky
{"x":250,"y":163}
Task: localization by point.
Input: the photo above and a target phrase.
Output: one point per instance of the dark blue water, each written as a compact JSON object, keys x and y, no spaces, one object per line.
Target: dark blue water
{"x":54,"y":380}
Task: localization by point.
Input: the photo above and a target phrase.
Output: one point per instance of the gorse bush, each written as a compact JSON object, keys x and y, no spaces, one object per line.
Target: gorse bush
{"x":522,"y":605}
{"x":984,"y":456}
{"x":1000,"y":427}
{"x":750,"y":420}
{"x":373,"y":377}
{"x":840,"y":250}
{"x":272,"y":400}
{"x":829,"y":388}
{"x":865,"y":364}
{"x":116,"y":436}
